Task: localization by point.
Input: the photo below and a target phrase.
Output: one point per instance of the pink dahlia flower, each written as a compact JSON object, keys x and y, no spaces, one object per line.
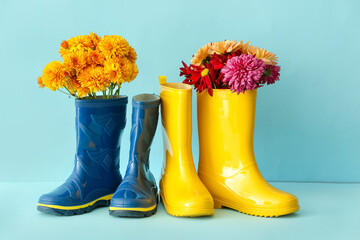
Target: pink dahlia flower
{"x":243,"y":73}
{"x":271,"y":74}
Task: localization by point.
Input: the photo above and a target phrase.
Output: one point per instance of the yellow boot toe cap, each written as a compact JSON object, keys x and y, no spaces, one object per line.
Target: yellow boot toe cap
{"x":189,"y":208}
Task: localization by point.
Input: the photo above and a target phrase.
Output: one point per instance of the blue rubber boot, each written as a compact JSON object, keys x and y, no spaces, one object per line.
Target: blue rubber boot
{"x":137,"y":194}
{"x":99,"y":126}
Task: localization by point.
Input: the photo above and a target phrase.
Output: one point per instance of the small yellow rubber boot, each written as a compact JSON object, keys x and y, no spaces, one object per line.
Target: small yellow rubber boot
{"x":227,"y":163}
{"x":181,"y":190}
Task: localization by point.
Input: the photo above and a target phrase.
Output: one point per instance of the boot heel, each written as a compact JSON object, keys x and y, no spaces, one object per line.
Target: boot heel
{"x":217,"y":205}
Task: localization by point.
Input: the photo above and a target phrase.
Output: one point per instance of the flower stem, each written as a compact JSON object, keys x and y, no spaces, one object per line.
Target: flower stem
{"x":70,"y":85}
{"x":110,"y":90}
{"x":70,"y":93}
{"x":117,"y":92}
{"x":65,"y":93}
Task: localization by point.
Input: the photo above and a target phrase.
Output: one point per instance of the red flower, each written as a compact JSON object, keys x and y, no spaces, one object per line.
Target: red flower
{"x":271,"y":74}
{"x":197,"y":76}
{"x":218,"y":61}
{"x":185,"y":71}
{"x":209,"y":75}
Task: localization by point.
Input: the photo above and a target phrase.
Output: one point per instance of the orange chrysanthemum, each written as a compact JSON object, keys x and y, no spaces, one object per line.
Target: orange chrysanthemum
{"x":53,"y":76}
{"x":201,"y":54}
{"x":219,"y":48}
{"x":269,"y":58}
{"x":114,"y":46}
{"x":94,"y":78}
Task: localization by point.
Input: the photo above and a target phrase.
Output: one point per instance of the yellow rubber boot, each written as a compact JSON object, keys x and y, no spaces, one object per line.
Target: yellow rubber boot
{"x":227,"y":163}
{"x":181,"y":191}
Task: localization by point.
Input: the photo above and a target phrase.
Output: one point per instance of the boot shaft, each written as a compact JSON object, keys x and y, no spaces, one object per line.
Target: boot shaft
{"x":226,"y":129}
{"x":145,"y":113}
{"x":176,"y":116}
{"x":99,"y":125}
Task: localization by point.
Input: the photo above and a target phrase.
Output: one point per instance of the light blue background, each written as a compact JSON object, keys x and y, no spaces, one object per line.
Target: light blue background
{"x":307,"y":124}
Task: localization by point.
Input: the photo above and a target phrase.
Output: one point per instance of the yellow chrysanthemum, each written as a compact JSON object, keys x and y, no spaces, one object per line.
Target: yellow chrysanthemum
{"x":228,"y":46}
{"x":95,"y":39}
{"x":83,"y":91}
{"x":64,"y":48}
{"x":132,"y":56}
{"x":201,"y":54}
{"x":127,"y":68}
{"x":69,"y":71}
{"x":76,"y":60}
{"x":82,"y":42}
{"x":114,"y":46}
{"x":40,"y":82}
{"x":269,"y":58}
{"x":94,"y":78}
{"x":90,"y":64}
{"x":95,"y":57}
{"x":135,"y":72}
{"x":113,"y":71}
{"x":71,"y":84}
{"x":53,"y":76}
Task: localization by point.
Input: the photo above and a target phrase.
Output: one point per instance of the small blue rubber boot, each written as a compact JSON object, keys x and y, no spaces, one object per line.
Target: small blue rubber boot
{"x":137,"y":194}
{"x":99,"y":126}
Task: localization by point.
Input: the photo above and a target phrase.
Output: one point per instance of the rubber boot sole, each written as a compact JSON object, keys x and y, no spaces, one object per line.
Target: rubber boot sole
{"x":258,"y":212}
{"x":133,"y":212}
{"x":187,"y":212}
{"x":74,"y":210}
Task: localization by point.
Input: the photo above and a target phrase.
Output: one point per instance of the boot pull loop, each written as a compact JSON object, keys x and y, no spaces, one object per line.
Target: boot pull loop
{"x":162,"y":80}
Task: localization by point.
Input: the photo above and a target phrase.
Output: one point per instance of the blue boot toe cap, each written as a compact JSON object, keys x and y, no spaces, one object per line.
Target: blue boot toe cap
{"x":130,"y":198}
{"x":52,"y":199}
{"x":61,"y":196}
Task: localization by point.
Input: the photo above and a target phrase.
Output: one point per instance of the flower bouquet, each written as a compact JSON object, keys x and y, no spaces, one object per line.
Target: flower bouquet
{"x":91,"y":64}
{"x":230,"y":65}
